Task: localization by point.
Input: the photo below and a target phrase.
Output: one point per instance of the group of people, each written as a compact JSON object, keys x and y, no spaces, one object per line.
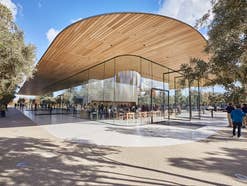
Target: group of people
{"x":103,"y":111}
{"x":237,"y":118}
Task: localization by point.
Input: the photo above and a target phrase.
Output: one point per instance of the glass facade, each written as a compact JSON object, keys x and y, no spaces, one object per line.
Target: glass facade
{"x":131,"y":89}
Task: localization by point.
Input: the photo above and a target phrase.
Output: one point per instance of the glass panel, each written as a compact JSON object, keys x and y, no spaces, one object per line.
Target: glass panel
{"x":127,"y":87}
{"x":178,"y":107}
{"x":81,"y":91}
{"x":181,"y":98}
{"x":157,"y":74}
{"x":205,"y":101}
{"x":96,"y":92}
{"x":145,"y":91}
{"x":159,"y":100}
{"x":109,"y":91}
{"x":195,"y":100}
{"x":74,"y":99}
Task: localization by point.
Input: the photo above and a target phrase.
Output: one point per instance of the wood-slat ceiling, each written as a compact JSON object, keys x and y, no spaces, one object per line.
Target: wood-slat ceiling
{"x":91,"y":41}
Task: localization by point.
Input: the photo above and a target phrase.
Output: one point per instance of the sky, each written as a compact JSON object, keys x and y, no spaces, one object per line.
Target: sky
{"x":42,"y":20}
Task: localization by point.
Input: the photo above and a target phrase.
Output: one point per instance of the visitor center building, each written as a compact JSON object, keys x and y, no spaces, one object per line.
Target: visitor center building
{"x":123,"y":67}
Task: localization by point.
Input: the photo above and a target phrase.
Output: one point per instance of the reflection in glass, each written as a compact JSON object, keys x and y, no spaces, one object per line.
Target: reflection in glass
{"x":130,"y":89}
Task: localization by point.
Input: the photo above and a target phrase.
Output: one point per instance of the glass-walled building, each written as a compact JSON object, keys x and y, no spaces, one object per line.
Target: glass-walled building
{"x":122,"y":67}
{"x":132,"y":89}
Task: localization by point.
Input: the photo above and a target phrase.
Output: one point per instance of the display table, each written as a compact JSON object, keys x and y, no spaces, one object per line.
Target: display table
{"x":130,"y":115}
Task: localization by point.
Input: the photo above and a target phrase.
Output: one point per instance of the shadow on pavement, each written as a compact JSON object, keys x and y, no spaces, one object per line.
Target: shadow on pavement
{"x":31,"y":161}
{"x":234,"y":162}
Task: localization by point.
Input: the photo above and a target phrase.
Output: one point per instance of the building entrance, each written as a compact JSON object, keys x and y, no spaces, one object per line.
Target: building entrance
{"x":159,"y":105}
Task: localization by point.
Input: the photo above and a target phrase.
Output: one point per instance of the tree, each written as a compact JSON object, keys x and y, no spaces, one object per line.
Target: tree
{"x":197,"y":69}
{"x":227,"y":45}
{"x":216,"y":99}
{"x":16,"y":58}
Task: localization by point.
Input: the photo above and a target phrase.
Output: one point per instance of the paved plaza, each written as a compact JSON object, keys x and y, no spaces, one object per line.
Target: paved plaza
{"x":70,"y":128}
{"x":64,"y":150}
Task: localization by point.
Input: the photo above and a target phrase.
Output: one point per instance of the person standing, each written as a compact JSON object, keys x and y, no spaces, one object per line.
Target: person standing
{"x":244,"y":109}
{"x":237,"y":119}
{"x":229,"y":109}
{"x":3,"y":110}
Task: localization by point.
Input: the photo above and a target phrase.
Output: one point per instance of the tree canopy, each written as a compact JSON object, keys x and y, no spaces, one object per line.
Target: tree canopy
{"x":227,"y":46}
{"x":16,"y":58}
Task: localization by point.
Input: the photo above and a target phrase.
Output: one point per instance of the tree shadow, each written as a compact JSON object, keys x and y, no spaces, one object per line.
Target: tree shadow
{"x":227,"y":161}
{"x":31,"y":161}
{"x":224,"y":135}
{"x":204,"y":181}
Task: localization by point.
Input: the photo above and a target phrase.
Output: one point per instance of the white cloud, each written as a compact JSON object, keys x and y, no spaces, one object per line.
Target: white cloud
{"x":12,"y":6}
{"x":75,"y":20}
{"x":51,"y":34}
{"x":187,"y":11}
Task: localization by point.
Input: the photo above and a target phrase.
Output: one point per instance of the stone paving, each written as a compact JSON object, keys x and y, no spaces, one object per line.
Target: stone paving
{"x":30,"y":154}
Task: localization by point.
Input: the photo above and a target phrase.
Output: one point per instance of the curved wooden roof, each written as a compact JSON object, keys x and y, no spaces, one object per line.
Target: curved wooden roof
{"x":93,"y":40}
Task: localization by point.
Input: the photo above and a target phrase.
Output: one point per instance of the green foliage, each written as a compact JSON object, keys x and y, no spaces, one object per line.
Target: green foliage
{"x":228,"y":41}
{"x":197,"y":69}
{"x":216,"y":98}
{"x":235,"y":95}
{"x":47,"y":99}
{"x":16,"y":58}
{"x":227,"y":47}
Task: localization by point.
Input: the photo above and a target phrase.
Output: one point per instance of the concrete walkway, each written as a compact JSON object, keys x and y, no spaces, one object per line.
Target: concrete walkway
{"x":30,"y":155}
{"x":70,"y":128}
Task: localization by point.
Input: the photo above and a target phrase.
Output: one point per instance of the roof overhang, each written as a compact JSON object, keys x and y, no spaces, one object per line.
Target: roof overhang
{"x":91,"y":41}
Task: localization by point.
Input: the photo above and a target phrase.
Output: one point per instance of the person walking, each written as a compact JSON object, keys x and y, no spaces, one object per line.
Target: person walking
{"x":237,"y":119}
{"x":229,"y":109}
{"x":244,"y":109}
